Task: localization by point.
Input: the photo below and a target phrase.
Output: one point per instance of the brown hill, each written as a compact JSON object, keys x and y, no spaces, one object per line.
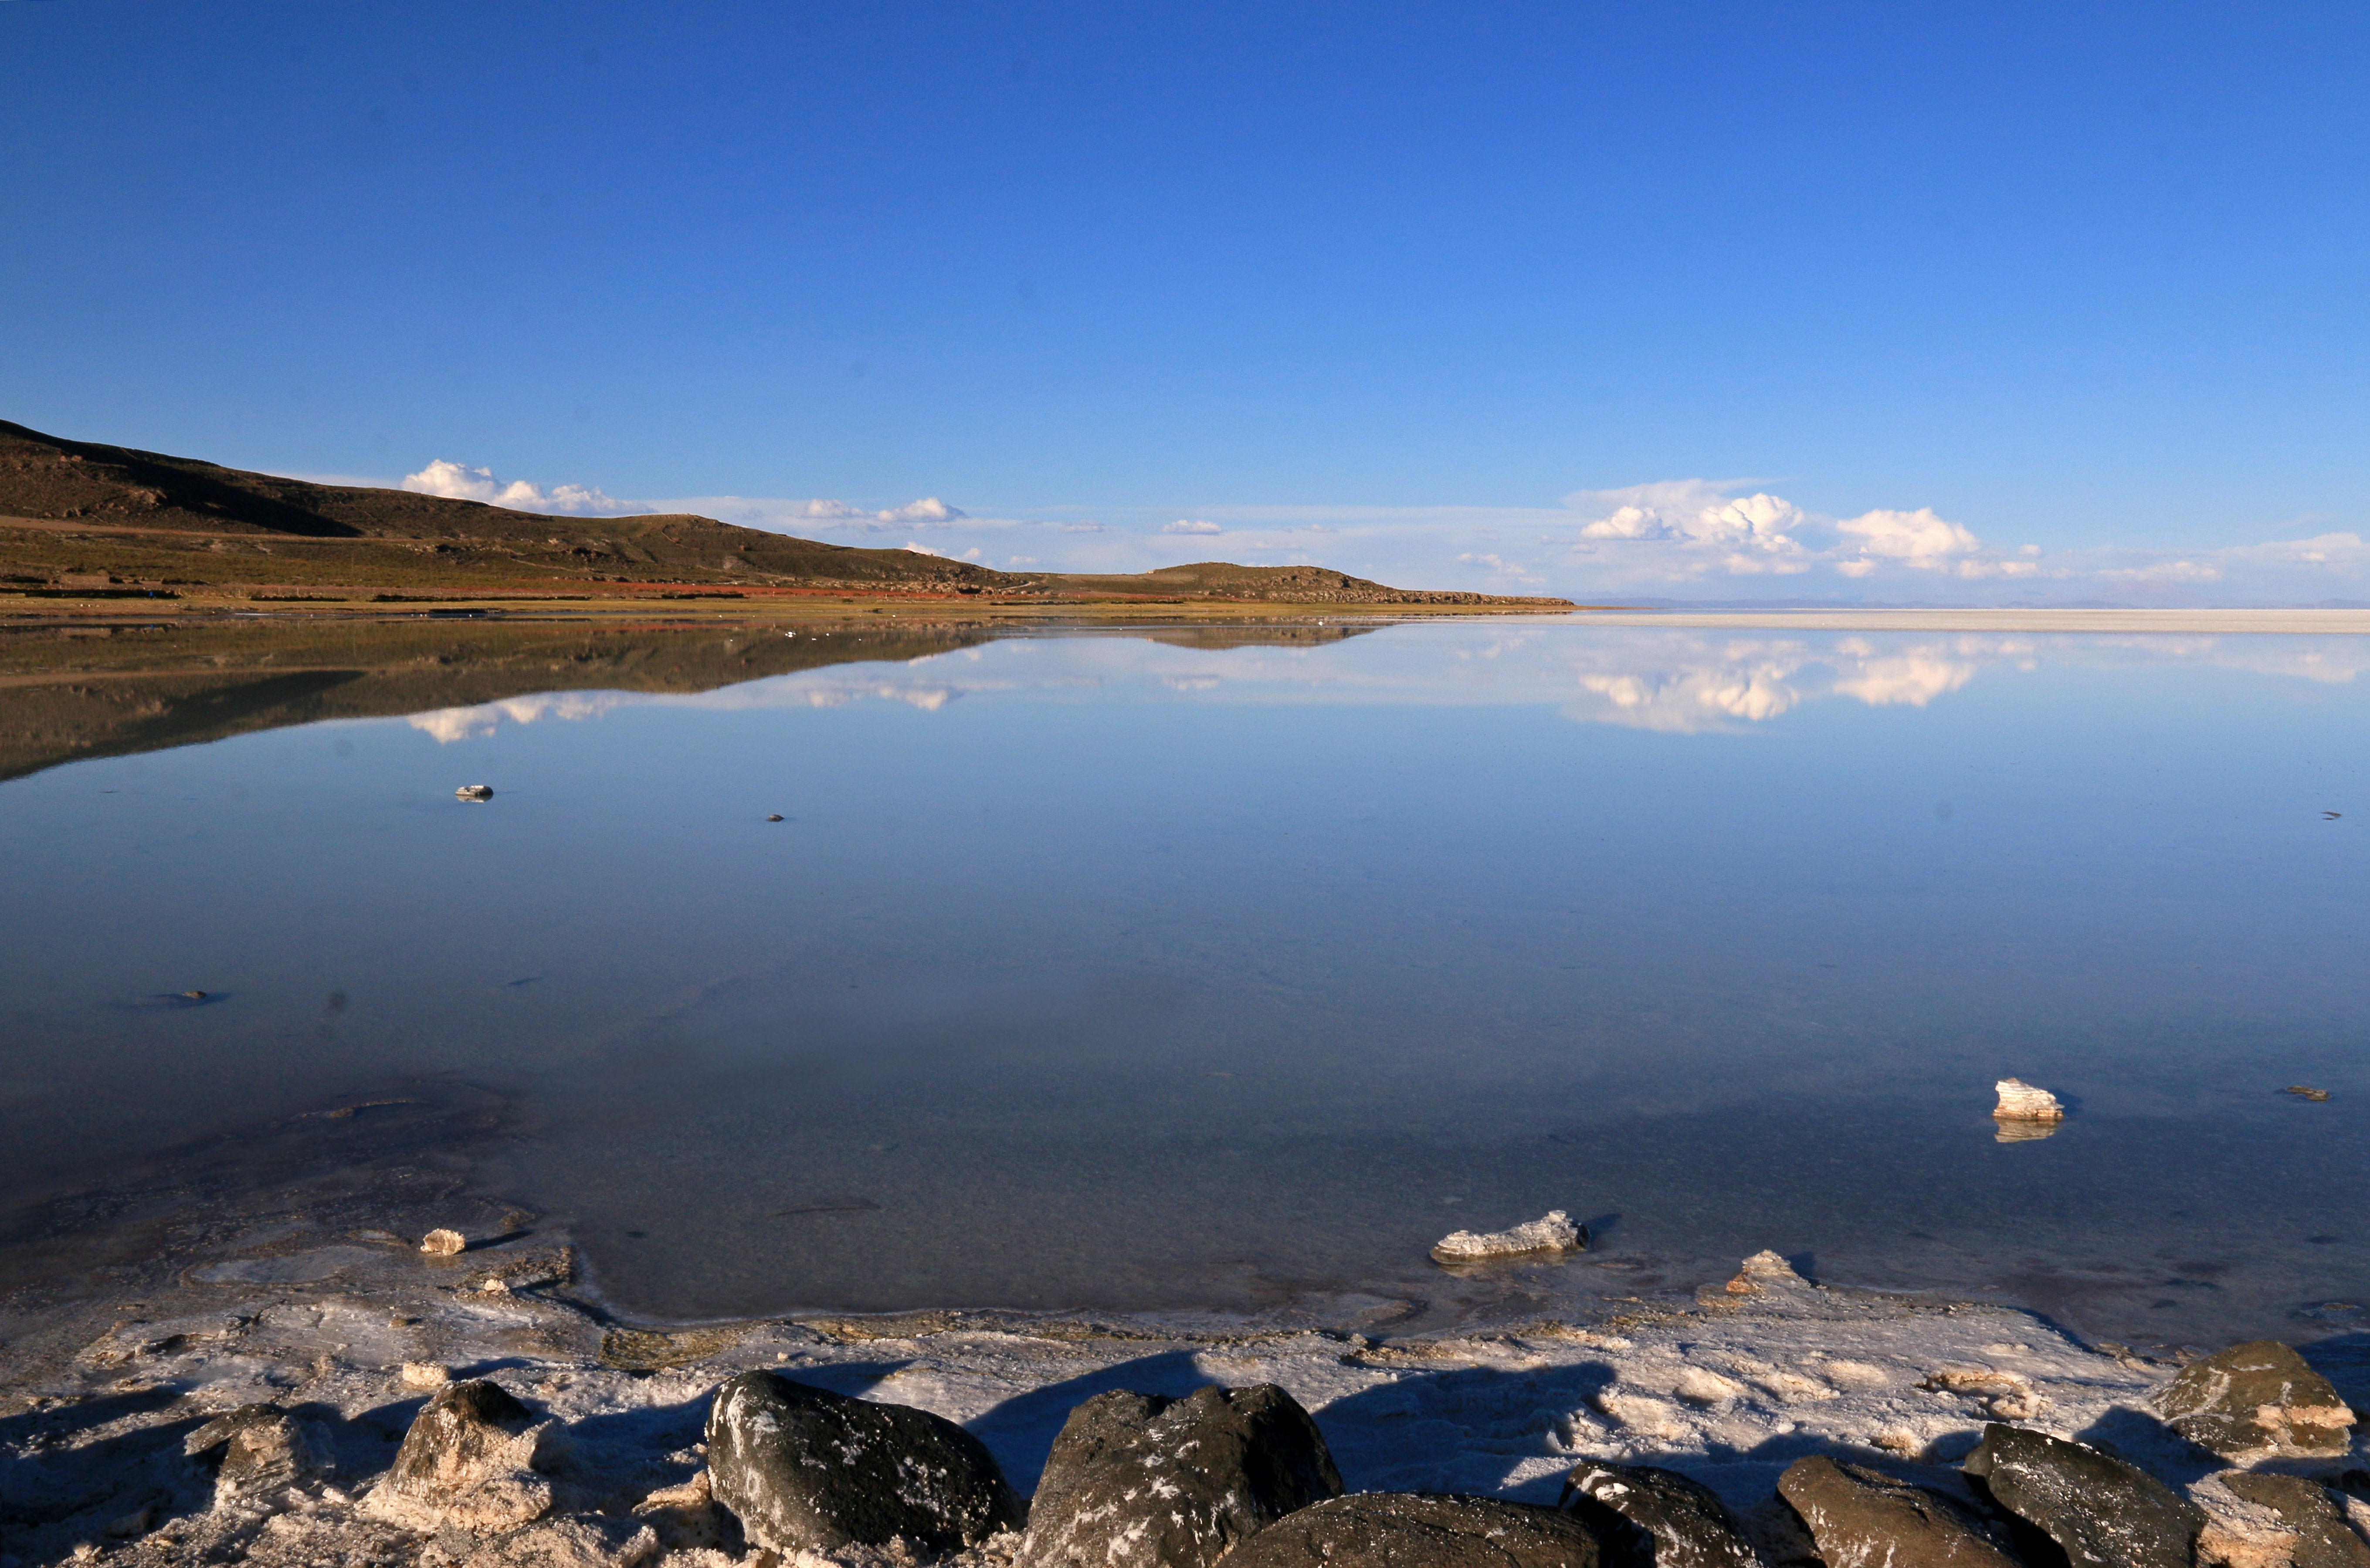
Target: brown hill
{"x":83,"y":518}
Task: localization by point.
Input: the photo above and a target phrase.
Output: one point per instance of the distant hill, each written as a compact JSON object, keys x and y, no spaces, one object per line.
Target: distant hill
{"x":83,"y":517}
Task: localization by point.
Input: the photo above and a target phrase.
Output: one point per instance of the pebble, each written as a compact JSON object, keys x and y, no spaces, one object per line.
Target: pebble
{"x":443,"y":1243}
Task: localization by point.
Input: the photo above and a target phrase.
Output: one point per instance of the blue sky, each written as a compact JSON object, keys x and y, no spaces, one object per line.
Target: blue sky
{"x":1691,"y":301}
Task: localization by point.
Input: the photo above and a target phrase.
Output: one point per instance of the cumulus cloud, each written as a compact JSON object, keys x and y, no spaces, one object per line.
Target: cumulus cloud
{"x":1185,"y":525}
{"x":926,"y":512}
{"x":1693,"y":511}
{"x":1700,"y":525}
{"x":459,"y":483}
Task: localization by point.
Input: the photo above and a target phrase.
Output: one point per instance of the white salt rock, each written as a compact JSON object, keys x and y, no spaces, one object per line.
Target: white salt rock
{"x":443,"y":1243}
{"x":1551,"y":1232}
{"x":2020,"y":1102}
{"x":423,"y":1375}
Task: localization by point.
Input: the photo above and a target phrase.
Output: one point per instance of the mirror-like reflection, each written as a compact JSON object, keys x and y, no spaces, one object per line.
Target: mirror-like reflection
{"x":1208,"y":967}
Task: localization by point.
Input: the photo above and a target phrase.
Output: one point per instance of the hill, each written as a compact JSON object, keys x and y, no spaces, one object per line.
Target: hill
{"x":79,"y":518}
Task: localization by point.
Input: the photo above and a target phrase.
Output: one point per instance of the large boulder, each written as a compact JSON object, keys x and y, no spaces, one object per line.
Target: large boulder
{"x":807,"y":1469}
{"x":1135,"y":1480}
{"x":2256,"y":1400}
{"x":2322,"y":1537}
{"x":1646,"y":1517}
{"x":2101,"y":1511}
{"x":473,"y":1461}
{"x":1399,"y":1530}
{"x":1865,"y":1518}
{"x":257,"y":1448}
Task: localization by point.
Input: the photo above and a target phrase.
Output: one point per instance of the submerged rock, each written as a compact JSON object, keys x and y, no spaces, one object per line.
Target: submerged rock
{"x":1552,"y":1232}
{"x":2322,"y":1537}
{"x":470,"y":1461}
{"x":2103,"y":1511}
{"x":1397,"y":1529}
{"x":1865,"y":1518}
{"x":806,"y":1470}
{"x":262,"y":1449}
{"x":1646,"y":1517}
{"x":2020,"y":1102}
{"x":1135,"y":1480}
{"x":2256,"y":1400}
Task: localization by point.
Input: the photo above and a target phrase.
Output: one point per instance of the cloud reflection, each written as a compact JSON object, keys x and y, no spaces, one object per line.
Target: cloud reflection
{"x":1678,"y":681}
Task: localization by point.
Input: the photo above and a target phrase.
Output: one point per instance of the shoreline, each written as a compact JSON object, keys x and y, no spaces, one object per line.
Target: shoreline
{"x":210,"y":1291}
{"x":354,"y":1330}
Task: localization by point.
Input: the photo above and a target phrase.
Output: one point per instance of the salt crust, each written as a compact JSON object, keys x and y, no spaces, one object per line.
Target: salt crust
{"x":1552,"y":1232}
{"x":1729,"y":1390}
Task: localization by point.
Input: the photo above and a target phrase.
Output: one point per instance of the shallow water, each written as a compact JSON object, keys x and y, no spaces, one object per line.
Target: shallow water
{"x":1100,"y":971}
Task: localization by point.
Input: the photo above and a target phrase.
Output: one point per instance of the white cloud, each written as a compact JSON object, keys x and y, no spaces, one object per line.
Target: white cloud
{"x":926,"y":512}
{"x":462,"y":484}
{"x":1918,"y":537}
{"x":1183,"y":526}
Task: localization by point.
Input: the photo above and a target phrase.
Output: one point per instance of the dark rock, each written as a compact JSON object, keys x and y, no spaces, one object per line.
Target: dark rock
{"x":2102,"y":1512}
{"x":804,"y":1469}
{"x":1397,"y":1529}
{"x":1135,"y":1480}
{"x":1865,"y":1518}
{"x":1656,"y":1518}
{"x":2323,"y":1539}
{"x":2254,"y":1400}
{"x":261,"y":1449}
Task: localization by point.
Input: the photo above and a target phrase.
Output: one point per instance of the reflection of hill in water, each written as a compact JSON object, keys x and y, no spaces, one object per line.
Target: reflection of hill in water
{"x":88,"y":691}
{"x":1221,"y":637}
{"x":78,"y":693}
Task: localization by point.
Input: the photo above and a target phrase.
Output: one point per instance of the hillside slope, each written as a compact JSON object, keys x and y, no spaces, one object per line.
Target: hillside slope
{"x":81,"y":517}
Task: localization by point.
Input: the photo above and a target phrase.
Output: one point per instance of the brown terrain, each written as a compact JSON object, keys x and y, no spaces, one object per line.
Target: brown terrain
{"x":85,"y":522}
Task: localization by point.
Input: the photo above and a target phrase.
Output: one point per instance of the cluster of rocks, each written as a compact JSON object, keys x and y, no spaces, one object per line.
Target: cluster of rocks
{"x":797,"y":1474}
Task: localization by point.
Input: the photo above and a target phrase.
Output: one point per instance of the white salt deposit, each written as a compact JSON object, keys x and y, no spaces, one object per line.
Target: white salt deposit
{"x":1551,"y":1232}
{"x":2020,"y":1102}
{"x":1729,"y":1390}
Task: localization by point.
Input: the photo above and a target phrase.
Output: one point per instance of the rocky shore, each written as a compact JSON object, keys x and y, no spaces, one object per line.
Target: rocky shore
{"x":384,"y":1408}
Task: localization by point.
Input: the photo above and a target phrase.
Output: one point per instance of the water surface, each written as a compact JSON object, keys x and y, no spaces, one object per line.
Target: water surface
{"x":1103,"y":971}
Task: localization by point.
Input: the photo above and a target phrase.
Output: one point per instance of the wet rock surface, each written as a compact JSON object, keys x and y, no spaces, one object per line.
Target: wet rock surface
{"x":1865,"y":1518}
{"x":2255,"y":1400}
{"x":803,"y":1469}
{"x":1390,"y":1529}
{"x":1136,"y":1480}
{"x":2102,"y":1512}
{"x":1648,"y":1518}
